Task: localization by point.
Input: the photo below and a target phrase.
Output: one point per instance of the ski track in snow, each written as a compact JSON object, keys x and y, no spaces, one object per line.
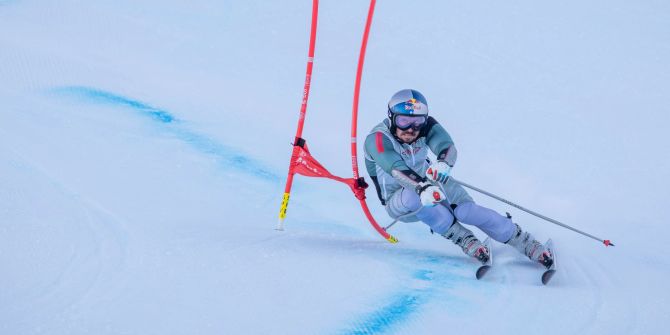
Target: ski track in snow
{"x":96,"y":263}
{"x":225,"y":155}
{"x":598,"y":285}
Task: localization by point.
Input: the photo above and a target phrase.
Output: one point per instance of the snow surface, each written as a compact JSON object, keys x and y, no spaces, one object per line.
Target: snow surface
{"x":144,"y":145}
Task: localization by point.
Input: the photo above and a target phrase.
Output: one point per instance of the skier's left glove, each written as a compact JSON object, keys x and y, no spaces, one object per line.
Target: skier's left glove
{"x":439,"y":172}
{"x":429,"y":194}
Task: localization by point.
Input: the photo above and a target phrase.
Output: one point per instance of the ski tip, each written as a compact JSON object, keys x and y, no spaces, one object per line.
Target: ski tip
{"x":608,"y":243}
{"x":482,"y":271}
{"x":546,"y":276}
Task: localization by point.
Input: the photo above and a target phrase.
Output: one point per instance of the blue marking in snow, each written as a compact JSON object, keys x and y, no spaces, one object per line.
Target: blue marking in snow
{"x":103,"y":97}
{"x":388,"y":316}
{"x":437,"y":279}
{"x":423,"y":275}
{"x":225,"y":155}
{"x":433,"y":259}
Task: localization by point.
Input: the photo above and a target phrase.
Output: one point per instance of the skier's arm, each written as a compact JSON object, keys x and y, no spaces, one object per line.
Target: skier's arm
{"x":380,"y":148}
{"x":440,"y":142}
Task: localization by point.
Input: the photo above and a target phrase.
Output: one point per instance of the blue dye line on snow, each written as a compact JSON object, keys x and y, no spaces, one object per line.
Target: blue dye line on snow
{"x":398,"y":310}
{"x":423,"y":275}
{"x":227,"y":156}
{"x":404,"y":305}
{"x":102,"y":97}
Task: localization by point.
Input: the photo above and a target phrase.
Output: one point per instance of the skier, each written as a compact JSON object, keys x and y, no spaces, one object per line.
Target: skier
{"x":414,"y":189}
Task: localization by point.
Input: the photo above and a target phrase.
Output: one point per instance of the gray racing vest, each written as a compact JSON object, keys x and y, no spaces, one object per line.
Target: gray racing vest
{"x":415,"y":156}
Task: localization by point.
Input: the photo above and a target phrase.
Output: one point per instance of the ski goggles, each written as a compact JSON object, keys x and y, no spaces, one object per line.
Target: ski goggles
{"x":404,"y":122}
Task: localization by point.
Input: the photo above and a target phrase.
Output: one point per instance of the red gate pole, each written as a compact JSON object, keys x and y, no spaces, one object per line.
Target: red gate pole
{"x":354,"y":124}
{"x":303,"y":111}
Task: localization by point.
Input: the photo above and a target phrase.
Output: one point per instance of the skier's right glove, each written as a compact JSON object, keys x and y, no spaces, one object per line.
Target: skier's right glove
{"x":429,"y":194}
{"x":438,"y":172}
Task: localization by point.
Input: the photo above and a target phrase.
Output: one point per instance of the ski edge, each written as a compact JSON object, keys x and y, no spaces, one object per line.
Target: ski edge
{"x":481,"y":271}
{"x":549,"y":273}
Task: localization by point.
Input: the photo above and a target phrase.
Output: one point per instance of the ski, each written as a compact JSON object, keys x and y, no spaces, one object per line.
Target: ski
{"x":486,"y":266}
{"x":549,"y":272}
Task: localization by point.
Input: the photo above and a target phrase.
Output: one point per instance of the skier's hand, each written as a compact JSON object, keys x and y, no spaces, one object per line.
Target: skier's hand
{"x":429,"y":194}
{"x":439,"y":172}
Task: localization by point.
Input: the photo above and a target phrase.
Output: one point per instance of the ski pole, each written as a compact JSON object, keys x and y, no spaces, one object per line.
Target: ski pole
{"x":606,"y":242}
{"x":402,"y":217}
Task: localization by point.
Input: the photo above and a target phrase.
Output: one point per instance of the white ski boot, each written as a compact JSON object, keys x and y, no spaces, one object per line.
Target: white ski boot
{"x":526,"y":244}
{"x":465,"y":239}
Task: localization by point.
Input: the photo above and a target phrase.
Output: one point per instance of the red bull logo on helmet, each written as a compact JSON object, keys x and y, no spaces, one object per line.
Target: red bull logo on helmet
{"x":408,"y":102}
{"x":412,"y":105}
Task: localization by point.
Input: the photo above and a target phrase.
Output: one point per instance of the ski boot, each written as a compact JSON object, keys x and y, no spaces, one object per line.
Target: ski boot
{"x":465,"y":239}
{"x":526,"y":244}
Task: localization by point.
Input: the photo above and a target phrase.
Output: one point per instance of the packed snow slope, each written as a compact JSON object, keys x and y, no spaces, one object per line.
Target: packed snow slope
{"x":144,"y":146}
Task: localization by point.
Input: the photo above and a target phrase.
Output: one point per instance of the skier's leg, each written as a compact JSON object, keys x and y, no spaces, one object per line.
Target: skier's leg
{"x":502,"y":229}
{"x":404,"y":201}
{"x":440,"y":220}
{"x":499,"y":227}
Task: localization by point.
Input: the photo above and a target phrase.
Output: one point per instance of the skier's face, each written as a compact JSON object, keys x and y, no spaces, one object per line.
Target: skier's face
{"x":407,"y":136}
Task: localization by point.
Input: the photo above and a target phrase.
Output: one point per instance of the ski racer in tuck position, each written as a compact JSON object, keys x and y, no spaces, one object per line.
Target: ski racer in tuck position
{"x":414,"y":189}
